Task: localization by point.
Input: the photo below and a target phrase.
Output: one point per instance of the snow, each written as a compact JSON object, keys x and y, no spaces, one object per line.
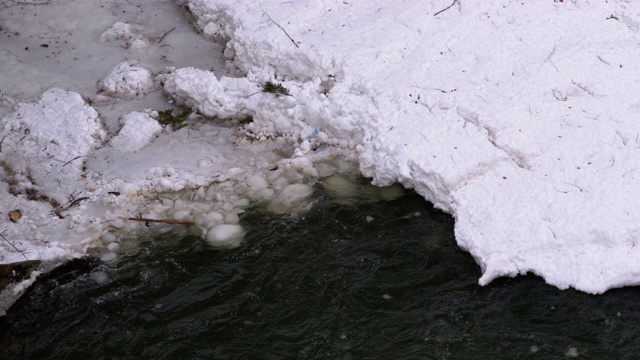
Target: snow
{"x":43,"y":158}
{"x":138,"y":131}
{"x":508,"y":115}
{"x":127,"y":81}
{"x":518,"y":119}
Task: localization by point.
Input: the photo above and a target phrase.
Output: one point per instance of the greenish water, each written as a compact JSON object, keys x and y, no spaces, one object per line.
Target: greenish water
{"x":327,"y":286}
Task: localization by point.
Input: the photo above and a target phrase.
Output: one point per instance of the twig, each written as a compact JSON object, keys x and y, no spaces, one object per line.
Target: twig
{"x":583,"y":88}
{"x":281,"y":28}
{"x":549,"y":58}
{"x":75,"y":158}
{"x":165,"y":34}
{"x":574,"y":185}
{"x":558,"y":95}
{"x":175,"y":222}
{"x":73,"y":203}
{"x":448,"y":7}
{"x":5,"y":4}
{"x":601,"y":59}
{"x":13,"y":246}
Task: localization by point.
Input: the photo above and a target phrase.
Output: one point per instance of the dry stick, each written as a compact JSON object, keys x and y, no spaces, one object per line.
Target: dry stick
{"x":165,"y":34}
{"x":11,"y":3}
{"x":74,"y":202}
{"x":13,"y":246}
{"x":445,"y":9}
{"x":281,"y":28}
{"x":175,"y":222}
{"x":75,"y":158}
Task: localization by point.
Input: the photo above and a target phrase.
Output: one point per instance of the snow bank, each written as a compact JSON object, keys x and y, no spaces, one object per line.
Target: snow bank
{"x":516,"y":118}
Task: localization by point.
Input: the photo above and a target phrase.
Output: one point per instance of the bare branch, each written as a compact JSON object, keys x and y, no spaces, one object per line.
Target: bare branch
{"x":5,"y":4}
{"x":13,"y":246}
{"x":174,"y":222}
{"x":73,"y":203}
{"x":448,"y":7}
{"x":281,"y":28}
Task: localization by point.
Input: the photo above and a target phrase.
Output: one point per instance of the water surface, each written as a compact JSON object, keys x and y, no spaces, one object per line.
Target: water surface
{"x":328,"y":285}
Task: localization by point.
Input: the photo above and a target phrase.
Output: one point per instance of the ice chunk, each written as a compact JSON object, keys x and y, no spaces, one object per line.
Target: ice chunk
{"x":138,"y":131}
{"x":48,"y":141}
{"x":225,"y":236}
{"x":291,"y":199}
{"x":341,"y":188}
{"x":256,"y":182}
{"x":121,"y":31}
{"x":127,"y":81}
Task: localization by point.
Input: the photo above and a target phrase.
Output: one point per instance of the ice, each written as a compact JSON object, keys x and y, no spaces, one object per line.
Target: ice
{"x":496,"y":138}
{"x":293,"y":198}
{"x":138,"y":131}
{"x":571,"y":352}
{"x":518,"y":119}
{"x":128,"y":81}
{"x":122,"y":31}
{"x":225,"y":236}
{"x":45,"y":144}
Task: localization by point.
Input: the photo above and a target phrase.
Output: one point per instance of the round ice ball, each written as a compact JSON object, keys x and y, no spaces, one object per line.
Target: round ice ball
{"x":256,"y":182}
{"x":109,"y":237}
{"x":225,"y":236}
{"x":108,"y":257}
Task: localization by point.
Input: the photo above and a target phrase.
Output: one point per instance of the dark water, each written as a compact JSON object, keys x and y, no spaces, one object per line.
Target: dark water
{"x":327,"y":286}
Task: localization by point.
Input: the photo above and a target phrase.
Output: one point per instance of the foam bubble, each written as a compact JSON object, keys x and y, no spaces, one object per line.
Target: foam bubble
{"x":232,"y":218}
{"x":108,"y":256}
{"x":113,"y":247}
{"x":571,"y":352}
{"x":225,"y":236}
{"x":109,"y":237}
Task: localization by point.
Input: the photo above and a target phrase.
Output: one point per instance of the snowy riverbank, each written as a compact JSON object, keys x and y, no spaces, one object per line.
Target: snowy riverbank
{"x":518,"y":119}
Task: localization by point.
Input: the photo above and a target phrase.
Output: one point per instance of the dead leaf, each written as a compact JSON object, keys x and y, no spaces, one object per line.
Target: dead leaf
{"x":15,"y":215}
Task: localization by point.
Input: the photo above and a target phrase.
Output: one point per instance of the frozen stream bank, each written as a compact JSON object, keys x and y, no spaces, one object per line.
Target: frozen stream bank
{"x":518,"y":119}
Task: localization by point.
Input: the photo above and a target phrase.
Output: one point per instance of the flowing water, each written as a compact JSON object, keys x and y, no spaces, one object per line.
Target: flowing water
{"x":380,"y":280}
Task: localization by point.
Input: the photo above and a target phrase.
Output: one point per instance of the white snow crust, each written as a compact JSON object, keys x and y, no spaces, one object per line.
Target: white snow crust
{"x":43,"y":158}
{"x":519,"y":119}
{"x":138,"y":131}
{"x":127,"y":81}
